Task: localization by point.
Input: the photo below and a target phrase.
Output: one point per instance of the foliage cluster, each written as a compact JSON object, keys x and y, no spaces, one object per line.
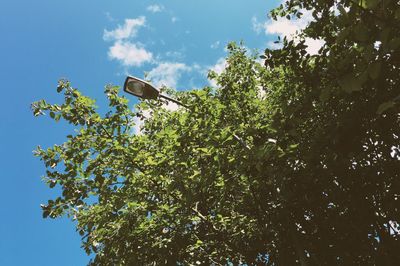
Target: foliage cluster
{"x":319,"y":184}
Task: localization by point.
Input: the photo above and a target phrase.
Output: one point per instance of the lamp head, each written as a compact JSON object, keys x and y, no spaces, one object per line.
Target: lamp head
{"x":140,"y":88}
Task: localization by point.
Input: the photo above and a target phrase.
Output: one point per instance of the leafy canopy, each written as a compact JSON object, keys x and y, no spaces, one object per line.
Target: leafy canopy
{"x":319,"y":184}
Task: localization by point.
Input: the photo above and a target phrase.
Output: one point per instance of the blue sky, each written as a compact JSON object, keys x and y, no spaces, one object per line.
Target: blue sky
{"x":94,"y":43}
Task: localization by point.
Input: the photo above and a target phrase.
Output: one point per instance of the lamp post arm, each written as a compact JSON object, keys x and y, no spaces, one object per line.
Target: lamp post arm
{"x":173,"y":100}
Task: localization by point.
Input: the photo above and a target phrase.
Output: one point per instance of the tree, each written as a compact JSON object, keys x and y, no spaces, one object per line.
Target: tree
{"x":319,"y":184}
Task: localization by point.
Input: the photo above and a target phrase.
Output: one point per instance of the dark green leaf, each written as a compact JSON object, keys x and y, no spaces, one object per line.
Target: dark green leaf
{"x":384,"y":107}
{"x":374,"y":70}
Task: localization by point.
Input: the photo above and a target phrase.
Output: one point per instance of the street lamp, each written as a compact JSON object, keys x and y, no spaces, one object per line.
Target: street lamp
{"x":142,"y":89}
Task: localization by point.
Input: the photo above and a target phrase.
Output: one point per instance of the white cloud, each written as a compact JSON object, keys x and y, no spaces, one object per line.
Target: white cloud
{"x":196,"y":67}
{"x":137,"y":128}
{"x":215,"y":45}
{"x":274,"y":45}
{"x":109,"y":17}
{"x":170,"y":106}
{"x":128,"y":30}
{"x":174,"y":19}
{"x":130,"y":54}
{"x":175,"y":55}
{"x":167,"y":73}
{"x":155,"y":8}
{"x":282,"y":26}
{"x":123,"y":48}
{"x":218,"y":68}
{"x":313,"y":45}
{"x":257,"y":26}
{"x":285,"y":27}
{"x":288,"y":28}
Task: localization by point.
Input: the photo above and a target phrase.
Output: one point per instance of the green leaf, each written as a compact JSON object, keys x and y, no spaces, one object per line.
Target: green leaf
{"x":343,"y":35}
{"x":45,"y":214}
{"x":374,"y":69}
{"x":204,"y":150}
{"x":341,"y":9}
{"x":361,"y":32}
{"x":394,"y":44}
{"x":397,"y":13}
{"x":198,"y":243}
{"x":293,"y":146}
{"x":370,"y":4}
{"x":52,"y":184}
{"x":325,"y":94}
{"x":350,"y":83}
{"x":57,"y":117}
{"x":385,"y":106}
{"x":384,"y":35}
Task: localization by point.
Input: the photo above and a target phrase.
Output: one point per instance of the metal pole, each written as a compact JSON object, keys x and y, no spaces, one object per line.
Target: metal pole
{"x":172,"y":100}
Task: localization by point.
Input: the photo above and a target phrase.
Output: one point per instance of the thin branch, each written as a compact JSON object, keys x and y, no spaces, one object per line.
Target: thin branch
{"x":105,"y":130}
{"x":201,"y":216}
